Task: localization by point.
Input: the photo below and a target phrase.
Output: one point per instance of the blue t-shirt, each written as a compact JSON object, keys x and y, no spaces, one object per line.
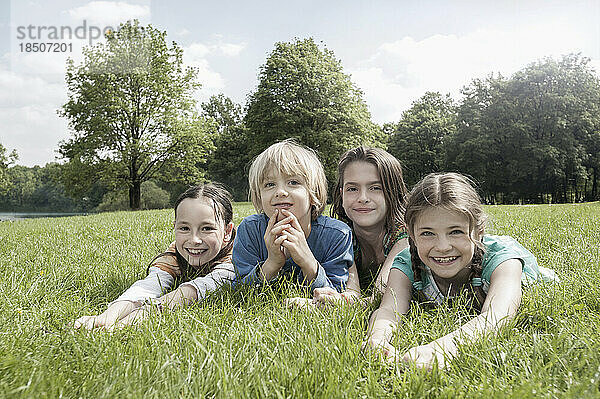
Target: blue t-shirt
{"x":498,"y":249}
{"x":330,"y":241}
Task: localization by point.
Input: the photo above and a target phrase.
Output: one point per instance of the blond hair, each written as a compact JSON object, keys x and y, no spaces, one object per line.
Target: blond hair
{"x":290,"y":158}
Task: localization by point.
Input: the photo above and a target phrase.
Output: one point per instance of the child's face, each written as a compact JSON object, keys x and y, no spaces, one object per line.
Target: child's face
{"x":362,"y":195}
{"x":443,"y":242}
{"x":279,"y":191}
{"x":198,"y":235}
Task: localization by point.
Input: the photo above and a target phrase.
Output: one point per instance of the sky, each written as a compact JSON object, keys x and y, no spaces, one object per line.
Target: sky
{"x":393,"y":50}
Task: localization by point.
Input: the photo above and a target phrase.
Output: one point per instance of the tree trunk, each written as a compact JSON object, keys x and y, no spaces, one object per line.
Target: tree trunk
{"x":594,"y":184}
{"x":135,"y":196}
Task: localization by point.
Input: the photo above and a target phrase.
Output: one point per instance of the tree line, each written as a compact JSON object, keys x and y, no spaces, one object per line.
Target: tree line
{"x":532,"y":137}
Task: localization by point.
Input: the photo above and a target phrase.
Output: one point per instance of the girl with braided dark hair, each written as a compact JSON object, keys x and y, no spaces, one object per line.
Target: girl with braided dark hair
{"x":448,"y":254}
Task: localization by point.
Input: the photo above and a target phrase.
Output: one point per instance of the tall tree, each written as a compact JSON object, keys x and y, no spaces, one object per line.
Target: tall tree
{"x":304,"y":93}
{"x":229,"y":162}
{"x":418,"y":138}
{"x":532,"y":134}
{"x":5,"y":162}
{"x":131,"y":113}
{"x":477,"y":146}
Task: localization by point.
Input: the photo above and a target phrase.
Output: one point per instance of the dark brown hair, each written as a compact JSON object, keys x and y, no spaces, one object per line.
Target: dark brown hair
{"x":390,"y":174}
{"x":220,"y":200}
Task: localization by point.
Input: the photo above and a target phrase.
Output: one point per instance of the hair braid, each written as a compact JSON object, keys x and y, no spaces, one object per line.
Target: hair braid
{"x":475,"y":281}
{"x":417,"y":269}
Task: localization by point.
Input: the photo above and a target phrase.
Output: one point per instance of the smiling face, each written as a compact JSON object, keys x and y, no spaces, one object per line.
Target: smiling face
{"x":362,"y":195}
{"x":444,"y":242}
{"x":280,"y":191}
{"x":199,"y":236}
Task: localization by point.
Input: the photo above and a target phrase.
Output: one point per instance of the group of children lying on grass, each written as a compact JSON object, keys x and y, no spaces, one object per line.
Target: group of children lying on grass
{"x":426,"y":245}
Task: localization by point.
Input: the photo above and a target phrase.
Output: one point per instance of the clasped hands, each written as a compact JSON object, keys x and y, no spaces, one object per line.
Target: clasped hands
{"x":284,"y":237}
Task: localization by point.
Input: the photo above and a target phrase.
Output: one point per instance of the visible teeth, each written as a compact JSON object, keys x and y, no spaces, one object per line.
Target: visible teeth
{"x":446,"y":260}
{"x":195,"y":251}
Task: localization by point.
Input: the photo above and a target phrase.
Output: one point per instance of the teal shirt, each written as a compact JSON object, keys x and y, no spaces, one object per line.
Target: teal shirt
{"x":498,"y":249}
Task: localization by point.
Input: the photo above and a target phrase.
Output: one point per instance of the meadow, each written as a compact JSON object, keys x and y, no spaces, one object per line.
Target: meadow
{"x":248,"y":344}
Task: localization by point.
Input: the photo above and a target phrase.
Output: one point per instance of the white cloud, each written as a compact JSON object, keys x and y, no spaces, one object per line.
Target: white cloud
{"x":386,"y":99}
{"x":231,"y":49}
{"x":183,"y":32}
{"x":196,"y":51}
{"x":28,"y":116}
{"x":197,"y":54}
{"x":110,"y":13}
{"x":399,"y":72}
{"x":212,"y":82}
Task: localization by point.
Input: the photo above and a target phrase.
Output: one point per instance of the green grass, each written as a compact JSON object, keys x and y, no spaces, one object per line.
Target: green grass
{"x":247,"y":344}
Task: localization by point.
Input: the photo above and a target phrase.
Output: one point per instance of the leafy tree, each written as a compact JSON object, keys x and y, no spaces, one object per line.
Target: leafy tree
{"x":476,"y":147}
{"x":131,"y":111}
{"x":531,"y":135}
{"x":418,"y":138}
{"x":5,"y":162}
{"x":229,"y":162}
{"x":223,"y":111}
{"x":153,"y":197}
{"x":304,"y":93}
{"x":23,"y":183}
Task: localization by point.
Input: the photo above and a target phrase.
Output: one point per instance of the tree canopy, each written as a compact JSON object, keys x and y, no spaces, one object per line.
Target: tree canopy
{"x":534,"y":134}
{"x":304,"y":93}
{"x":419,"y":137}
{"x":132,"y":115}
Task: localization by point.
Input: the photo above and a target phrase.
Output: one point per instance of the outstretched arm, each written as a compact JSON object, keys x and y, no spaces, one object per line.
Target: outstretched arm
{"x":383,"y":321}
{"x":501,"y":305}
{"x":152,"y":286}
{"x":185,"y":295}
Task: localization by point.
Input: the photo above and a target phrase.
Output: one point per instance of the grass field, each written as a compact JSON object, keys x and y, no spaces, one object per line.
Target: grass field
{"x":247,"y":344}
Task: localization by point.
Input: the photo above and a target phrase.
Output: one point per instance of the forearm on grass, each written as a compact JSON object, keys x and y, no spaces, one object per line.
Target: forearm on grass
{"x":500,"y":306}
{"x":382,"y":324}
{"x":394,"y":304}
{"x":116,"y":311}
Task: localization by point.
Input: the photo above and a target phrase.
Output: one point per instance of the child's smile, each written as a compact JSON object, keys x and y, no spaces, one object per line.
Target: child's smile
{"x":444,"y":243}
{"x":198,"y":235}
{"x":362,"y":195}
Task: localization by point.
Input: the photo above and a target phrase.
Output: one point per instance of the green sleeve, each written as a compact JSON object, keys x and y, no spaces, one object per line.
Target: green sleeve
{"x":403,"y":263}
{"x":502,"y":248}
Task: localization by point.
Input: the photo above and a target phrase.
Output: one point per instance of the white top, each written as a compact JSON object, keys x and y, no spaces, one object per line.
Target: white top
{"x":158,"y":281}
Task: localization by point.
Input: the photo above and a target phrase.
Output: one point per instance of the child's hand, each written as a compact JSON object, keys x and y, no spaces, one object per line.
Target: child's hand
{"x":108,"y":318}
{"x":381,"y":347}
{"x":325,"y":295}
{"x":294,"y":241}
{"x":328,"y":295}
{"x":273,"y":240}
{"x":138,"y":315}
{"x":425,"y":356}
{"x":299,"y":302}
{"x":90,"y":322}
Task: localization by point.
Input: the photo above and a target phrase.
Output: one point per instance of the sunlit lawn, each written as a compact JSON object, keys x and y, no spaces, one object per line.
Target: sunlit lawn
{"x":247,"y":344}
